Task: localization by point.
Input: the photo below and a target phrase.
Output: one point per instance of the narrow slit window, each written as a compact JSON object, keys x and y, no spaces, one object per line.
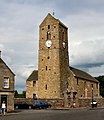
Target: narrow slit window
{"x":46,"y":67}
{"x":48,"y":36}
{"x":46,"y":87}
{"x":48,"y":26}
{"x":34,"y":83}
{"x":63,"y":36}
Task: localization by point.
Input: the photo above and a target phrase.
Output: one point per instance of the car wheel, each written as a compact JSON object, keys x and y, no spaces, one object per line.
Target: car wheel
{"x":49,"y":106}
{"x":30,"y":107}
{"x":40,"y":107}
{"x":16,"y":107}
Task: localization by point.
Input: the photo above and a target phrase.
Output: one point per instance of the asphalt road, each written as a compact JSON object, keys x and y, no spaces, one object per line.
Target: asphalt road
{"x":97,"y":114}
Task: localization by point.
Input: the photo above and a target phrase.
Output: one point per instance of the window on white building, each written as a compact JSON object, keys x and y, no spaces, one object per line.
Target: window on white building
{"x":6,"y":82}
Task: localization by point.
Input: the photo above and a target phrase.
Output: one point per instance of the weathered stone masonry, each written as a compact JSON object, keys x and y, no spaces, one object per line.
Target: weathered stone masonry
{"x":56,"y":79}
{"x":6,"y":86}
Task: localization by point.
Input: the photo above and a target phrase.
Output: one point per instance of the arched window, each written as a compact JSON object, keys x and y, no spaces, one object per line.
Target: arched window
{"x":48,"y":35}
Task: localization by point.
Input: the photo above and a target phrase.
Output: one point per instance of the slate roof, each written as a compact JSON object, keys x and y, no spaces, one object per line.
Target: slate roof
{"x":81,"y":74}
{"x":76,"y":72}
{"x":33,"y":76}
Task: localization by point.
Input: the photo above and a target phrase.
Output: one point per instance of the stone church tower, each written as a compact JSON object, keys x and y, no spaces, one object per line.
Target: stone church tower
{"x":53,"y":58}
{"x":54,"y":77}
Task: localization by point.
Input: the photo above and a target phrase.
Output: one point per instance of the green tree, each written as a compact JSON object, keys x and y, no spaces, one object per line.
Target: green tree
{"x":24,"y":94}
{"x":101,"y":80}
{"x":16,"y":94}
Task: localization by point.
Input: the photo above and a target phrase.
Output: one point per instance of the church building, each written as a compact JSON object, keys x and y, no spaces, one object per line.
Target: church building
{"x":55,"y":78}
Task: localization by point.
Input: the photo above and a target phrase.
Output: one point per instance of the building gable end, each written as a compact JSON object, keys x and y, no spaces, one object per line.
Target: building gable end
{"x":1,"y":61}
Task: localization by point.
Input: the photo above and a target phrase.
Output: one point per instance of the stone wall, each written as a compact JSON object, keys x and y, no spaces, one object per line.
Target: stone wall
{"x":53,"y":60}
{"x":59,"y":103}
{"x":30,"y":89}
{"x":10,"y":102}
{"x":54,"y":102}
{"x":6,"y":72}
{"x":85,"y":89}
{"x":8,"y":89}
{"x":83,"y":102}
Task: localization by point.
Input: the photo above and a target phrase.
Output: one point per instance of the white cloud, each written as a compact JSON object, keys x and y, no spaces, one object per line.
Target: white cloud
{"x":19,"y":26}
{"x":97,"y":71}
{"x":85,"y":26}
{"x":22,"y":73}
{"x":88,"y":52}
{"x":1,"y":47}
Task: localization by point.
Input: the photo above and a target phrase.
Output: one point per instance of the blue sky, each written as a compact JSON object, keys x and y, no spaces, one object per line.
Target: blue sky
{"x":19,"y":30}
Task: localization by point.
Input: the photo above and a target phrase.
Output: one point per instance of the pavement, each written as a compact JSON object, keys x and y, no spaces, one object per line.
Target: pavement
{"x":81,"y":108}
{"x":63,"y":108}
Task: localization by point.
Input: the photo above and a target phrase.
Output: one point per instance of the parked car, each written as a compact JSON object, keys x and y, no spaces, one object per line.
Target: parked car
{"x":41,"y":105}
{"x":22,"y":105}
{"x":94,"y":104}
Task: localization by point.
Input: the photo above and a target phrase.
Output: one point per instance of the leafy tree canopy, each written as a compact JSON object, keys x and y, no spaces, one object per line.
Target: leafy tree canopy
{"x":18,"y":95}
{"x":101,"y":80}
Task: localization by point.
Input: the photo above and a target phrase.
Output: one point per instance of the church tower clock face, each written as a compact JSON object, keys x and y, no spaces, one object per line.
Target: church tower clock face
{"x":48,"y":43}
{"x":53,"y":58}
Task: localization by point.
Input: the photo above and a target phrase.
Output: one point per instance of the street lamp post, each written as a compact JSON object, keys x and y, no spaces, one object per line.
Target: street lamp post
{"x":92,"y":94}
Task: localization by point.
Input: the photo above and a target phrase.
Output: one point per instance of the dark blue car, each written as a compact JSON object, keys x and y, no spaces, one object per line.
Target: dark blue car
{"x":22,"y":105}
{"x":41,"y":105}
